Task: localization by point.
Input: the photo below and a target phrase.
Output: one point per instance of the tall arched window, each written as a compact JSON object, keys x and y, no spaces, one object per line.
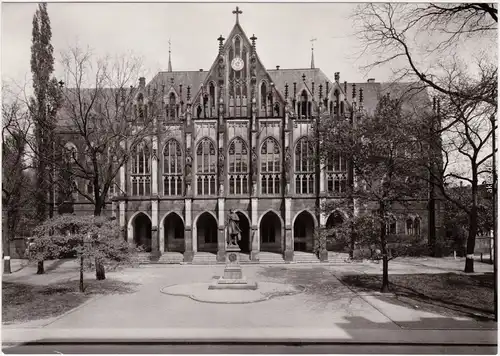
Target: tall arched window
{"x":212,"y":102}
{"x":206,"y":168}
{"x":304,"y":105}
{"x":304,"y":167}
{"x":263,"y":95}
{"x":238,"y":167}
{"x":270,"y":167}
{"x":140,"y":108}
{"x":172,"y":168}
{"x":171,"y":108}
{"x":410,"y":229}
{"x":336,"y":174}
{"x":390,"y":225}
{"x":141,"y":170}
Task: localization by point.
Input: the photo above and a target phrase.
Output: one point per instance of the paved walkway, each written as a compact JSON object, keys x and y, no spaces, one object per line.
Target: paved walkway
{"x":326,"y":310}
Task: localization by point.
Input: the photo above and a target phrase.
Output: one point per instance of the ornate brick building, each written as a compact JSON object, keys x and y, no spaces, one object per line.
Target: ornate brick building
{"x":239,"y":136}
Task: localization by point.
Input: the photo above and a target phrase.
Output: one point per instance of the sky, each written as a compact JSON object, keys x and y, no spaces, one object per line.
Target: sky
{"x":284,"y":32}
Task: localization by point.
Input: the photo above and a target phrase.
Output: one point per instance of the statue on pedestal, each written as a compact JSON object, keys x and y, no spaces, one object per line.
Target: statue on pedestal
{"x":233,"y":229}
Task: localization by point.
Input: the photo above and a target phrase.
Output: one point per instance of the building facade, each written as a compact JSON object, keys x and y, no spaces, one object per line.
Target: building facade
{"x":239,"y":137}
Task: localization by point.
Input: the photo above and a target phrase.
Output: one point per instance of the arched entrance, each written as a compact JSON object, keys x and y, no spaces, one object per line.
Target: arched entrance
{"x":206,"y":231}
{"x":270,"y":232}
{"x":244,"y":224}
{"x":303,"y":232}
{"x":334,"y":220}
{"x":142,"y":231}
{"x":173,"y":230}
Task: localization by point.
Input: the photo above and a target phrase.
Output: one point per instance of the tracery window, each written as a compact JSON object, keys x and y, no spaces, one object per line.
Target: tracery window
{"x":172,"y":168}
{"x":141,"y":109}
{"x":336,"y":174}
{"x":171,"y":107}
{"x":238,"y":167}
{"x":270,"y":172}
{"x":206,"y":171}
{"x":212,"y":102}
{"x":390,"y":225}
{"x":304,"y":167}
{"x":141,"y":170}
{"x":413,"y":226}
{"x":263,"y":95}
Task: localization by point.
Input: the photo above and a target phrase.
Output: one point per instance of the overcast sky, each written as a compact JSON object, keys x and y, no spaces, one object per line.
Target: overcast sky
{"x":283,"y":30}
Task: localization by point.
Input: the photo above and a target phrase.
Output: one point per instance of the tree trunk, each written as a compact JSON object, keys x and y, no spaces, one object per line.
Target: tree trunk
{"x":6,"y":252}
{"x":385,"y":257}
{"x":81,"y":274}
{"x":471,"y":241}
{"x":100,"y":273}
{"x":471,"y":238}
{"x":40,"y":269}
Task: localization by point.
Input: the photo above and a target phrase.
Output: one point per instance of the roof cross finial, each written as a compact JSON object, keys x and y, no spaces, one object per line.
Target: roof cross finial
{"x":237,"y":12}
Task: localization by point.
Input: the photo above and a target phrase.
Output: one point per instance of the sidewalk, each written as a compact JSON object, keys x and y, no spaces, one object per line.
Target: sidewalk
{"x":327,"y":311}
{"x":283,"y":334}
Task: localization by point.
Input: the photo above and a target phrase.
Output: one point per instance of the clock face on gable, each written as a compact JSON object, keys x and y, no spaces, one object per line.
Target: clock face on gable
{"x":237,"y":64}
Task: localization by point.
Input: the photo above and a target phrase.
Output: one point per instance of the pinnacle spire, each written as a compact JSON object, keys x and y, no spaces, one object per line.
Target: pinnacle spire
{"x":312,"y":52}
{"x":169,"y":56}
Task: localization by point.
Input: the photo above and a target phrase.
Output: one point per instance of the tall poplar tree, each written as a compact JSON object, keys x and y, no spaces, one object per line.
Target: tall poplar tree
{"x":43,"y":107}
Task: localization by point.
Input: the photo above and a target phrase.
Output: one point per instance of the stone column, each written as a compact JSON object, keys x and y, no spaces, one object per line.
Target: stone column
{"x":221,"y":235}
{"x":155,"y":251}
{"x":288,"y":255}
{"x":254,"y":233}
{"x":123,"y":222}
{"x":188,"y":233}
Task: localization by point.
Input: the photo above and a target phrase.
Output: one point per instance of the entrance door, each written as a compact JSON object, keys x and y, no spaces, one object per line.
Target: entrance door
{"x":142,"y":231}
{"x":303,"y":232}
{"x":206,"y":227}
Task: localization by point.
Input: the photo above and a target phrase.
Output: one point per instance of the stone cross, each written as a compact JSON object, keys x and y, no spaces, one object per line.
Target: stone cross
{"x":237,"y":12}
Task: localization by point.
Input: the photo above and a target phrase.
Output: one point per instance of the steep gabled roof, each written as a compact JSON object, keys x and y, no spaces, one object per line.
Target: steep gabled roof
{"x":280,"y":77}
{"x":186,"y":78}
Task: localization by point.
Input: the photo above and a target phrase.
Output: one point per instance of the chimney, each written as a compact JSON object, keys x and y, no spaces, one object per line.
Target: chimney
{"x":371,"y":80}
{"x":277,"y":67}
{"x":142,"y":82}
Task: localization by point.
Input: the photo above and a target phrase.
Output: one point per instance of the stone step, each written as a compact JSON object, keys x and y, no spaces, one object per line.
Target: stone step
{"x":171,"y":258}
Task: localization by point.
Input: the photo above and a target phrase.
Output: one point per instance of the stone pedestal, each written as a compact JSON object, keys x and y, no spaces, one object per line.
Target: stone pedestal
{"x":233,"y":275}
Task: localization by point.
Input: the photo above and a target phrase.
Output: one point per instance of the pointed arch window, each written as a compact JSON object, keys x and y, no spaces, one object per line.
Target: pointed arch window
{"x":141,"y":170}
{"x":270,"y":167}
{"x":336,"y":174}
{"x":171,"y":107}
{"x":263,"y":95}
{"x":238,"y":167}
{"x":172,"y":168}
{"x":390,"y":225}
{"x":304,"y":105}
{"x":304,"y":167}
{"x":141,"y":109}
{"x":212,"y":102}
{"x":206,"y":168}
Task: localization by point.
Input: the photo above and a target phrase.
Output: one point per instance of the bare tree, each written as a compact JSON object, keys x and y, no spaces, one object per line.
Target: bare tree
{"x":101,"y":121}
{"x":16,"y":182}
{"x":431,"y":40}
{"x":381,"y":150}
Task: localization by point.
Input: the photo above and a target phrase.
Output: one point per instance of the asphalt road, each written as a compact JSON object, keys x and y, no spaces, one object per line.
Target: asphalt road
{"x":138,"y":348}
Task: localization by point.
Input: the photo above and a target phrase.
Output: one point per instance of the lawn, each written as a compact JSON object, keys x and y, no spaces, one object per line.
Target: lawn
{"x":24,"y":302}
{"x":449,"y":293}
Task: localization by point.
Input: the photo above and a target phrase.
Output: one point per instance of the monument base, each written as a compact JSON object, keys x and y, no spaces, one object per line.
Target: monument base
{"x":233,"y":275}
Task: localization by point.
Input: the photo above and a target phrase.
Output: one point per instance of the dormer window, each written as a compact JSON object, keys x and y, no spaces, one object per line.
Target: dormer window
{"x":171,"y":108}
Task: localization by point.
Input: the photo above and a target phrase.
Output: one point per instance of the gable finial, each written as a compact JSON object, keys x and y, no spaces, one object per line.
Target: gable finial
{"x":169,"y":59}
{"x":312,"y":52}
{"x":221,"y":43}
{"x":237,"y":12}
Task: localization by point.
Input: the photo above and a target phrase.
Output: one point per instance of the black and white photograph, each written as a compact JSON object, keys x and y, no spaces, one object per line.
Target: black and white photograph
{"x":255,"y":177}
